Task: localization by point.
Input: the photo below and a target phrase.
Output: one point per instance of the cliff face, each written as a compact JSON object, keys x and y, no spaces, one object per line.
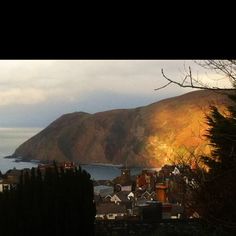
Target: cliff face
{"x":145,"y":136}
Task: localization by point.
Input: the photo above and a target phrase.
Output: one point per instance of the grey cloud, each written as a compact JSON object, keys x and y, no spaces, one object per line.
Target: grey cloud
{"x":43,"y":114}
{"x":90,"y":86}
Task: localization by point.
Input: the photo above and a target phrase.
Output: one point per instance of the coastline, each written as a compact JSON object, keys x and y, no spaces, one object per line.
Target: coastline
{"x":19,"y":159}
{"x":105,"y":164}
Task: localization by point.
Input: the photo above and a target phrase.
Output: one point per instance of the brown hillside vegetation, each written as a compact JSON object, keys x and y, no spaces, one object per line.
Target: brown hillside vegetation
{"x":145,"y":136}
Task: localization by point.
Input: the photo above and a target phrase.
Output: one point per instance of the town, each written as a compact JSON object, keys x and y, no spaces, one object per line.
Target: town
{"x":151,"y":196}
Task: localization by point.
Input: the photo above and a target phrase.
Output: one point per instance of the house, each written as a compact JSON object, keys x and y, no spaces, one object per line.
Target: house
{"x":11,"y":179}
{"x":146,"y":180}
{"x":124,"y":181}
{"x":116,"y":199}
{"x":13,"y":175}
{"x":152,"y":196}
{"x":146,"y":195}
{"x":120,"y":197}
{"x":110,"y":211}
{"x":66,"y":165}
{"x":142,"y":197}
{"x":176,"y":171}
{"x":1,"y":179}
{"x":130,"y":196}
{"x":6,"y":184}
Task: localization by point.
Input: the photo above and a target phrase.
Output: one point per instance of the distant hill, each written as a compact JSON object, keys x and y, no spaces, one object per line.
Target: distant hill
{"x":145,"y":136}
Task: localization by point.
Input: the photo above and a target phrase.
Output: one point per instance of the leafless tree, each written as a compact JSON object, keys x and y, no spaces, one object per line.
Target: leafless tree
{"x":226,"y":68}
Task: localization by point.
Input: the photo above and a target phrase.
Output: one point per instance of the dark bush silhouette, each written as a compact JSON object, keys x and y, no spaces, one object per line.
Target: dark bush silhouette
{"x":58,"y":202}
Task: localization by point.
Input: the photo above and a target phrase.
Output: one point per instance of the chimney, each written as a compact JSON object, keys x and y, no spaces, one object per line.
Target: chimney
{"x":161,"y":194}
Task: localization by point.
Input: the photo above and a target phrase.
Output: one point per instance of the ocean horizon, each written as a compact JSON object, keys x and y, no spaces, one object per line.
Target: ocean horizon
{"x":10,"y":139}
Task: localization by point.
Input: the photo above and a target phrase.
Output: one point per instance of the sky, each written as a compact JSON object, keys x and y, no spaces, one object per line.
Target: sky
{"x":33,"y":93}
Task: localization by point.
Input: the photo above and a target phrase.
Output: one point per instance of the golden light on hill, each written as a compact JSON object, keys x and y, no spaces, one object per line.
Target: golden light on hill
{"x":161,"y":133}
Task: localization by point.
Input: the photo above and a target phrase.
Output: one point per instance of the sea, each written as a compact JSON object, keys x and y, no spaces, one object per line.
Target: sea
{"x":11,"y":138}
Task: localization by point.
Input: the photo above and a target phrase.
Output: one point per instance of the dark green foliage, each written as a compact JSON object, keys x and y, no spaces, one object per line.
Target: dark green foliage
{"x":222,"y":135}
{"x":60,"y":203}
{"x":217,"y":193}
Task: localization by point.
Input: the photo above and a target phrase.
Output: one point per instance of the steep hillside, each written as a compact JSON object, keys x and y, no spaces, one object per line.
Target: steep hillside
{"x":145,"y":136}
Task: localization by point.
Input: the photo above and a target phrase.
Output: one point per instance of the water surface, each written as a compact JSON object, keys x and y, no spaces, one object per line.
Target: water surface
{"x":11,"y":138}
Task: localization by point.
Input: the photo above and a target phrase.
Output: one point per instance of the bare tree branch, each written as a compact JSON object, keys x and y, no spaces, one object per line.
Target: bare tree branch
{"x":225,"y":67}
{"x":163,"y":86}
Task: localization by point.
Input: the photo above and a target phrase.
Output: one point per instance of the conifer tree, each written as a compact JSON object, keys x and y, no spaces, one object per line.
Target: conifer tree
{"x":60,"y":203}
{"x":217,"y":194}
{"x":213,"y":194}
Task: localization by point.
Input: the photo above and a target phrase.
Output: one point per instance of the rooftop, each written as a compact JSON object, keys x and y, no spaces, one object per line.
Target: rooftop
{"x":110,"y":208}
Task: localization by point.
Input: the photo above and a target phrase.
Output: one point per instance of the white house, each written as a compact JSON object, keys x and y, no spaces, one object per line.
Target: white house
{"x":130,"y":195}
{"x":5,"y":185}
{"x":120,"y":197}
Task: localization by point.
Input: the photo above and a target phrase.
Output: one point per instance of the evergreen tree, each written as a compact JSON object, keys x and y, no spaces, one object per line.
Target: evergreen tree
{"x":213,"y":194}
{"x":58,"y":203}
{"x":217,"y":194}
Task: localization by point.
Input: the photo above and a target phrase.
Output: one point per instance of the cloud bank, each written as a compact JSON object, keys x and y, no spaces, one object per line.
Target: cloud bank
{"x":35,"y":92}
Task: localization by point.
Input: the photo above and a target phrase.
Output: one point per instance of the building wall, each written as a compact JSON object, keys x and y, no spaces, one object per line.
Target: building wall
{"x":4,"y":187}
{"x":111,"y":216}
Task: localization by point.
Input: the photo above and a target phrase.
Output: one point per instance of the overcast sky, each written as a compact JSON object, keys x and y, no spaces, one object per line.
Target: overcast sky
{"x":34,"y":93}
